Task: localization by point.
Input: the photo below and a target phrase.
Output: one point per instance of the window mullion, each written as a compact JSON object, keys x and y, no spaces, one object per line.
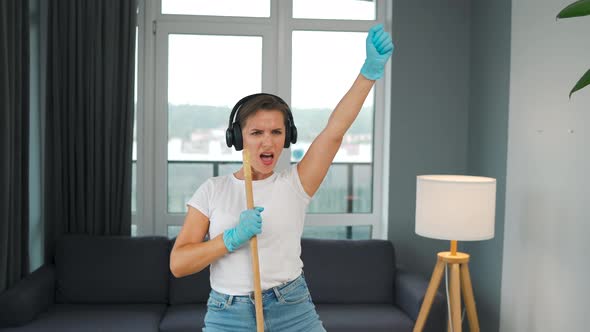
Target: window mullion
{"x":145,"y":217}
{"x":283,"y":62}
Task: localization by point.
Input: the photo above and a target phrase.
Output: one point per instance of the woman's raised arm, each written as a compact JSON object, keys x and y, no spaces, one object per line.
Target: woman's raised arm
{"x":315,"y":164}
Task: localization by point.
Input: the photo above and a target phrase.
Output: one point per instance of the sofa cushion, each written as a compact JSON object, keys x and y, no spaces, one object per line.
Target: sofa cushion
{"x":363,"y":317}
{"x":112,"y":269}
{"x":191,"y":289}
{"x":184,"y":318}
{"x":349,"y":271}
{"x":97,"y":317}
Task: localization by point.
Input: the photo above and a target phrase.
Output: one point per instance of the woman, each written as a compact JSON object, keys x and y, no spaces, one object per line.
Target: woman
{"x":264,"y":125}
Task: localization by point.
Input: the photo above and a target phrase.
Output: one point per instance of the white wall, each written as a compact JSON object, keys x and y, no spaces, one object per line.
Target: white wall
{"x":547,"y":223}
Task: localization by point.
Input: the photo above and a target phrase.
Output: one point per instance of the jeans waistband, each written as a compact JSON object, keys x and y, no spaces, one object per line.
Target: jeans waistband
{"x":274,"y":291}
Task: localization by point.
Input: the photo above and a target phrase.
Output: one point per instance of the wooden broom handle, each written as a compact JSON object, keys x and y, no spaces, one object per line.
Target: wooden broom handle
{"x":253,"y":244}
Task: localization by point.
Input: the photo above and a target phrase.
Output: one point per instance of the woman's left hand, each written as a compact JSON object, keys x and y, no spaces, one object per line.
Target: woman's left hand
{"x":379,"y":49}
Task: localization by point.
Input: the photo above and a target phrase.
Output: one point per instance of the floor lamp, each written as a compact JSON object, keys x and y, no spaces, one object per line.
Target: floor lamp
{"x":455,"y":208}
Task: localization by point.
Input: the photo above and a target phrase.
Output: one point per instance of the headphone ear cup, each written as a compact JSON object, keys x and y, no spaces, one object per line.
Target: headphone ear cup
{"x":229,"y":137}
{"x":293,"y":134}
{"x":237,"y":136}
{"x":287,"y":137}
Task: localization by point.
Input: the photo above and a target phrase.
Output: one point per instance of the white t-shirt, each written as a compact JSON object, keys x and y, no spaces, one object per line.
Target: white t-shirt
{"x":223,"y":198}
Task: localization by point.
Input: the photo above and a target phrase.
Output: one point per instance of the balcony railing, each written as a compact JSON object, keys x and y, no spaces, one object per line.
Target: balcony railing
{"x":346,"y":189}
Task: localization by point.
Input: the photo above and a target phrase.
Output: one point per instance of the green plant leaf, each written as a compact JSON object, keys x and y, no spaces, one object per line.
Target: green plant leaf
{"x":585,"y":80}
{"x":576,"y":9}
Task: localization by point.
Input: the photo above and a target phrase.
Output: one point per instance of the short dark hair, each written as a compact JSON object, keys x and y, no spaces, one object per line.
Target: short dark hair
{"x":261,"y":103}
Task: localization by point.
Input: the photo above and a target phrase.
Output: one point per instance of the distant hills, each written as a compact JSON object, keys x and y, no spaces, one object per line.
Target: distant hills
{"x":184,"y":119}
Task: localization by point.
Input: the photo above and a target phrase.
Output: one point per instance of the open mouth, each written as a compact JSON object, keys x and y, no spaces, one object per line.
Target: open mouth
{"x":267,"y":158}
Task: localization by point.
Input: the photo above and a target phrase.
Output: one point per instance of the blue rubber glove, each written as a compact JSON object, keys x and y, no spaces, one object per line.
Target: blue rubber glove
{"x":249,"y":225}
{"x":379,"y":49}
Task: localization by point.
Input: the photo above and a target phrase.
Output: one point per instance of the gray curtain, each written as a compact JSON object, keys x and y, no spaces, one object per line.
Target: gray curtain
{"x":89,"y":118}
{"x":14,"y":141}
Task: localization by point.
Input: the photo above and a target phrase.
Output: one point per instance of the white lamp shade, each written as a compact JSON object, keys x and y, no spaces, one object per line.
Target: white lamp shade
{"x":455,"y":207}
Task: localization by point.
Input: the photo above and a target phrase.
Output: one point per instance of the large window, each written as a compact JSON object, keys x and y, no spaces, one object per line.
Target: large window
{"x":197,"y":58}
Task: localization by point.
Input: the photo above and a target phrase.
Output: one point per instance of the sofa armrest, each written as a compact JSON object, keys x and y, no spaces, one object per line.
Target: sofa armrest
{"x":410,"y":289}
{"x":28,"y":297}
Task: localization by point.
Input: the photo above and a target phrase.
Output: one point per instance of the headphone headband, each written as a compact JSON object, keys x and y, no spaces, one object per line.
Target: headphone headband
{"x":244,"y":100}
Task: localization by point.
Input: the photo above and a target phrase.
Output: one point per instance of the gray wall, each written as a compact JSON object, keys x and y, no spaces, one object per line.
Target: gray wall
{"x":488,"y":139}
{"x":545,"y":273}
{"x":429,"y":119}
{"x":450,"y":92}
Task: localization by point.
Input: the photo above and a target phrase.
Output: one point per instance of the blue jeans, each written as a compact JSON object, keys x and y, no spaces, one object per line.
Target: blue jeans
{"x":286,"y":308}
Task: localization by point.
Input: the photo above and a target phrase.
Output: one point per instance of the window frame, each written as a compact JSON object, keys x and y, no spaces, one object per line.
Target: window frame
{"x":152,"y":215}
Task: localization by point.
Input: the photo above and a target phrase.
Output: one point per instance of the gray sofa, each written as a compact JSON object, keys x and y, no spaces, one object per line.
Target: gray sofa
{"x":124,"y":284}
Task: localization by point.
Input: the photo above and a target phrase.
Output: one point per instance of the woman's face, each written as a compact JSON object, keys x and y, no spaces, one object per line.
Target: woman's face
{"x":264,"y":137}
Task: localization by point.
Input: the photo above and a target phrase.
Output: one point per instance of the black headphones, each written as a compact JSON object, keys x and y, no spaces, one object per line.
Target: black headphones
{"x":233,"y":134}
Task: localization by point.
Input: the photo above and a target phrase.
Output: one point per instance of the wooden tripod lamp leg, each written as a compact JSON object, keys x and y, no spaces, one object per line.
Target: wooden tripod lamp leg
{"x":469,"y":298}
{"x":253,"y":245}
{"x":429,"y":297}
{"x":455,"y":298}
